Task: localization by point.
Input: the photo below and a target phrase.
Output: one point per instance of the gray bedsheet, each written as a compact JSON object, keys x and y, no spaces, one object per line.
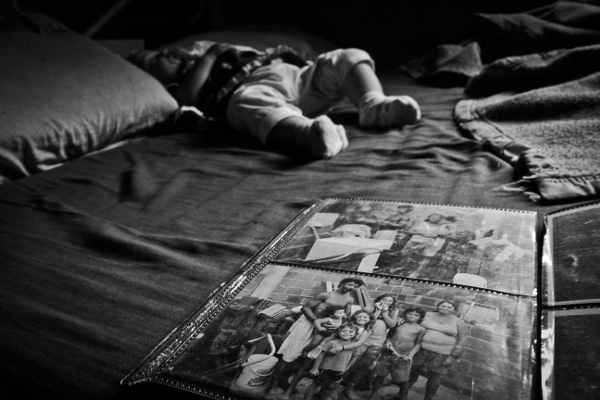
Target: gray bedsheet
{"x":102,"y":257}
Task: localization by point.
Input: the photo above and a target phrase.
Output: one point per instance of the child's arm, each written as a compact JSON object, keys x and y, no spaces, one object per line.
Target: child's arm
{"x":188,"y":93}
{"x":390,"y":318}
{"x":354,"y":345}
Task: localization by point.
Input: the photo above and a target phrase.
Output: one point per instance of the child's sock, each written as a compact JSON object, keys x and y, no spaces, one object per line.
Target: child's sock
{"x":324,"y":138}
{"x":378,"y":110}
{"x":320,"y":136}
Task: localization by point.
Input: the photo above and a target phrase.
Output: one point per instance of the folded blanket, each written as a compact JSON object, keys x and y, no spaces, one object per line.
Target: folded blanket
{"x":540,"y":71}
{"x":551,"y":135}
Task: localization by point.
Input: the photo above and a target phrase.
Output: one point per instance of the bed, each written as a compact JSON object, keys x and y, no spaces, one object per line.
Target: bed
{"x":115,"y":225}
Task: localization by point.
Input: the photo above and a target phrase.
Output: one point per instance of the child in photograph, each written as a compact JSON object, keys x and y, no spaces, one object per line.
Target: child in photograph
{"x":325,"y":327}
{"x":402,"y":343}
{"x":385,"y":317}
{"x":361,"y":320}
{"x":328,"y":367}
{"x":302,"y":331}
{"x":276,"y":96}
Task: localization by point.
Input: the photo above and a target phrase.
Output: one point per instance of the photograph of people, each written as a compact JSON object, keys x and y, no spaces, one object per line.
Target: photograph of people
{"x":361,"y":319}
{"x":385,"y":317}
{"x":303,"y":330}
{"x":329,"y":367}
{"x":296,"y":333}
{"x":488,"y":248}
{"x":428,"y":237}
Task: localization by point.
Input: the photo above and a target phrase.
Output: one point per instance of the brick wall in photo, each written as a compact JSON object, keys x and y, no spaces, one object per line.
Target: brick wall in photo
{"x":494,"y":353}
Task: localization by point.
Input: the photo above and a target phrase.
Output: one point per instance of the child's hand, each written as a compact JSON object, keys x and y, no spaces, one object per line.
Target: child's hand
{"x":314,"y":372}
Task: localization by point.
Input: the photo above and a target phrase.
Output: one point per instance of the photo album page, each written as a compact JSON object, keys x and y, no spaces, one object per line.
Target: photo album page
{"x":368,"y":300}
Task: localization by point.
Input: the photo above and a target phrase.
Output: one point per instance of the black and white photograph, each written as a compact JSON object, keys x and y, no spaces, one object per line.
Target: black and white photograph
{"x":297,"y":333}
{"x":180,"y":180}
{"x":571,"y":270}
{"x":570,"y":367}
{"x":479,"y":247}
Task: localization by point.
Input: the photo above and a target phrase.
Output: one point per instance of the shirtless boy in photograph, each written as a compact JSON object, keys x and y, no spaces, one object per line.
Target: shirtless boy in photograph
{"x":402,"y":343}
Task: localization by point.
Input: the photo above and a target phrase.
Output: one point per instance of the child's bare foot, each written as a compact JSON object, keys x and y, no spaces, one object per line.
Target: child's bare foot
{"x":326,"y":138}
{"x":379,"y":110}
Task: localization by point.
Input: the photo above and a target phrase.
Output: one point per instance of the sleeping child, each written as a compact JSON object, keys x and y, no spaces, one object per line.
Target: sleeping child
{"x":276,"y":96}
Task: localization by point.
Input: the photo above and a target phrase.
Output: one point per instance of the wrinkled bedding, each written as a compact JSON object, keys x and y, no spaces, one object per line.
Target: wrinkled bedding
{"x":533,"y":93}
{"x":104,"y":256}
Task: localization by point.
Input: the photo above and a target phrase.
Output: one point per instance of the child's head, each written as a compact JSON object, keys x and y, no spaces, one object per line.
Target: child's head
{"x":164,"y":65}
{"x":413,"y":314}
{"x":361,"y":318}
{"x":347,"y":331}
{"x":385,"y":299}
{"x":335,"y":312}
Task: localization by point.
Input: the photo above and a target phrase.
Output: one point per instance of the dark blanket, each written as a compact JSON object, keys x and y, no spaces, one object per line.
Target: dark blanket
{"x":534,"y":94}
{"x":481,"y":39}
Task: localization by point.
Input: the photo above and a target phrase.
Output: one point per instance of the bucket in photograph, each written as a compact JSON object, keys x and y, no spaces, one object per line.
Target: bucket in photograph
{"x":255,"y":375}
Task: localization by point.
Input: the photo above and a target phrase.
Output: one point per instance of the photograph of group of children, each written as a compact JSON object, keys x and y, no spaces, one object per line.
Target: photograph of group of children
{"x":480,"y":247}
{"x":315,"y":334}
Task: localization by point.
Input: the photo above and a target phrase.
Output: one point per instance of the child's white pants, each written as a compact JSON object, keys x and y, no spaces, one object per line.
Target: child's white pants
{"x":278,"y":91}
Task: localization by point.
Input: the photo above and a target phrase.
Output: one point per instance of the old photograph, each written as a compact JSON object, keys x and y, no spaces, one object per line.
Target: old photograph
{"x":478,"y":247}
{"x":573,"y":275}
{"x":570,"y":363}
{"x":299,"y":333}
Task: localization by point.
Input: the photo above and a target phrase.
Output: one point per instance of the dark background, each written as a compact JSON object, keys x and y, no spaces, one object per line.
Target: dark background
{"x":393,"y":31}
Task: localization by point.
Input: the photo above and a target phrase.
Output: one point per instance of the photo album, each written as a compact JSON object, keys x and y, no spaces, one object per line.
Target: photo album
{"x":362,"y":299}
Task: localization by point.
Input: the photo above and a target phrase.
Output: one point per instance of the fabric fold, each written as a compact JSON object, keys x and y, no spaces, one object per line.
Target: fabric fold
{"x":550,"y":135}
